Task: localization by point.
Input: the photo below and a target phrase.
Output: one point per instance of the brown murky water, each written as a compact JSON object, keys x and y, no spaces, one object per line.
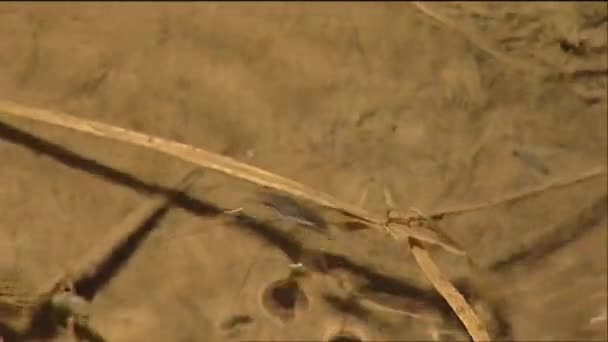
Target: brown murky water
{"x":446,"y":105}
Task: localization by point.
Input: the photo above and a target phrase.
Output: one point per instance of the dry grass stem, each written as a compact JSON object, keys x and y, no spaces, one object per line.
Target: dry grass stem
{"x":414,"y":227}
{"x":188,"y":153}
{"x":457,"y":302}
{"x":527,"y":193}
{"x":413,"y":224}
{"x":205,"y":159}
{"x":399,"y":222}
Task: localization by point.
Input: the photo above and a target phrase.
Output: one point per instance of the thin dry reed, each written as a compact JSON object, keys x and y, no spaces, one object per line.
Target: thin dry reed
{"x":417,"y":236}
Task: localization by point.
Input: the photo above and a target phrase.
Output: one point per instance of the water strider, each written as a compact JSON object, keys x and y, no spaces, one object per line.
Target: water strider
{"x":294,"y":212}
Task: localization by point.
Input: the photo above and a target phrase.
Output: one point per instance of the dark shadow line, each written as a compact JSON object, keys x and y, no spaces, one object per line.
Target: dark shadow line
{"x":88,"y":287}
{"x":45,"y":324}
{"x":382,"y":283}
{"x":289,"y":246}
{"x":504,"y":328}
{"x":565,"y":233}
{"x":349,"y":305}
{"x":376,"y":282}
{"x":46,"y":320}
{"x":193,"y":205}
{"x":73,"y":160}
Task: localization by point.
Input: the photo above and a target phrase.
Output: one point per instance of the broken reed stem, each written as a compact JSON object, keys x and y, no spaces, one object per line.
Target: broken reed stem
{"x":197,"y":156}
{"x":527,"y":193}
{"x":233,"y":168}
{"x":457,"y":302}
{"x":209,"y":160}
{"x":417,"y":247}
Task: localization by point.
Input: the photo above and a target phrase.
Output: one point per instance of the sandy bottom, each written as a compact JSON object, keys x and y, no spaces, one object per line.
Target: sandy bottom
{"x":443,"y":105}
